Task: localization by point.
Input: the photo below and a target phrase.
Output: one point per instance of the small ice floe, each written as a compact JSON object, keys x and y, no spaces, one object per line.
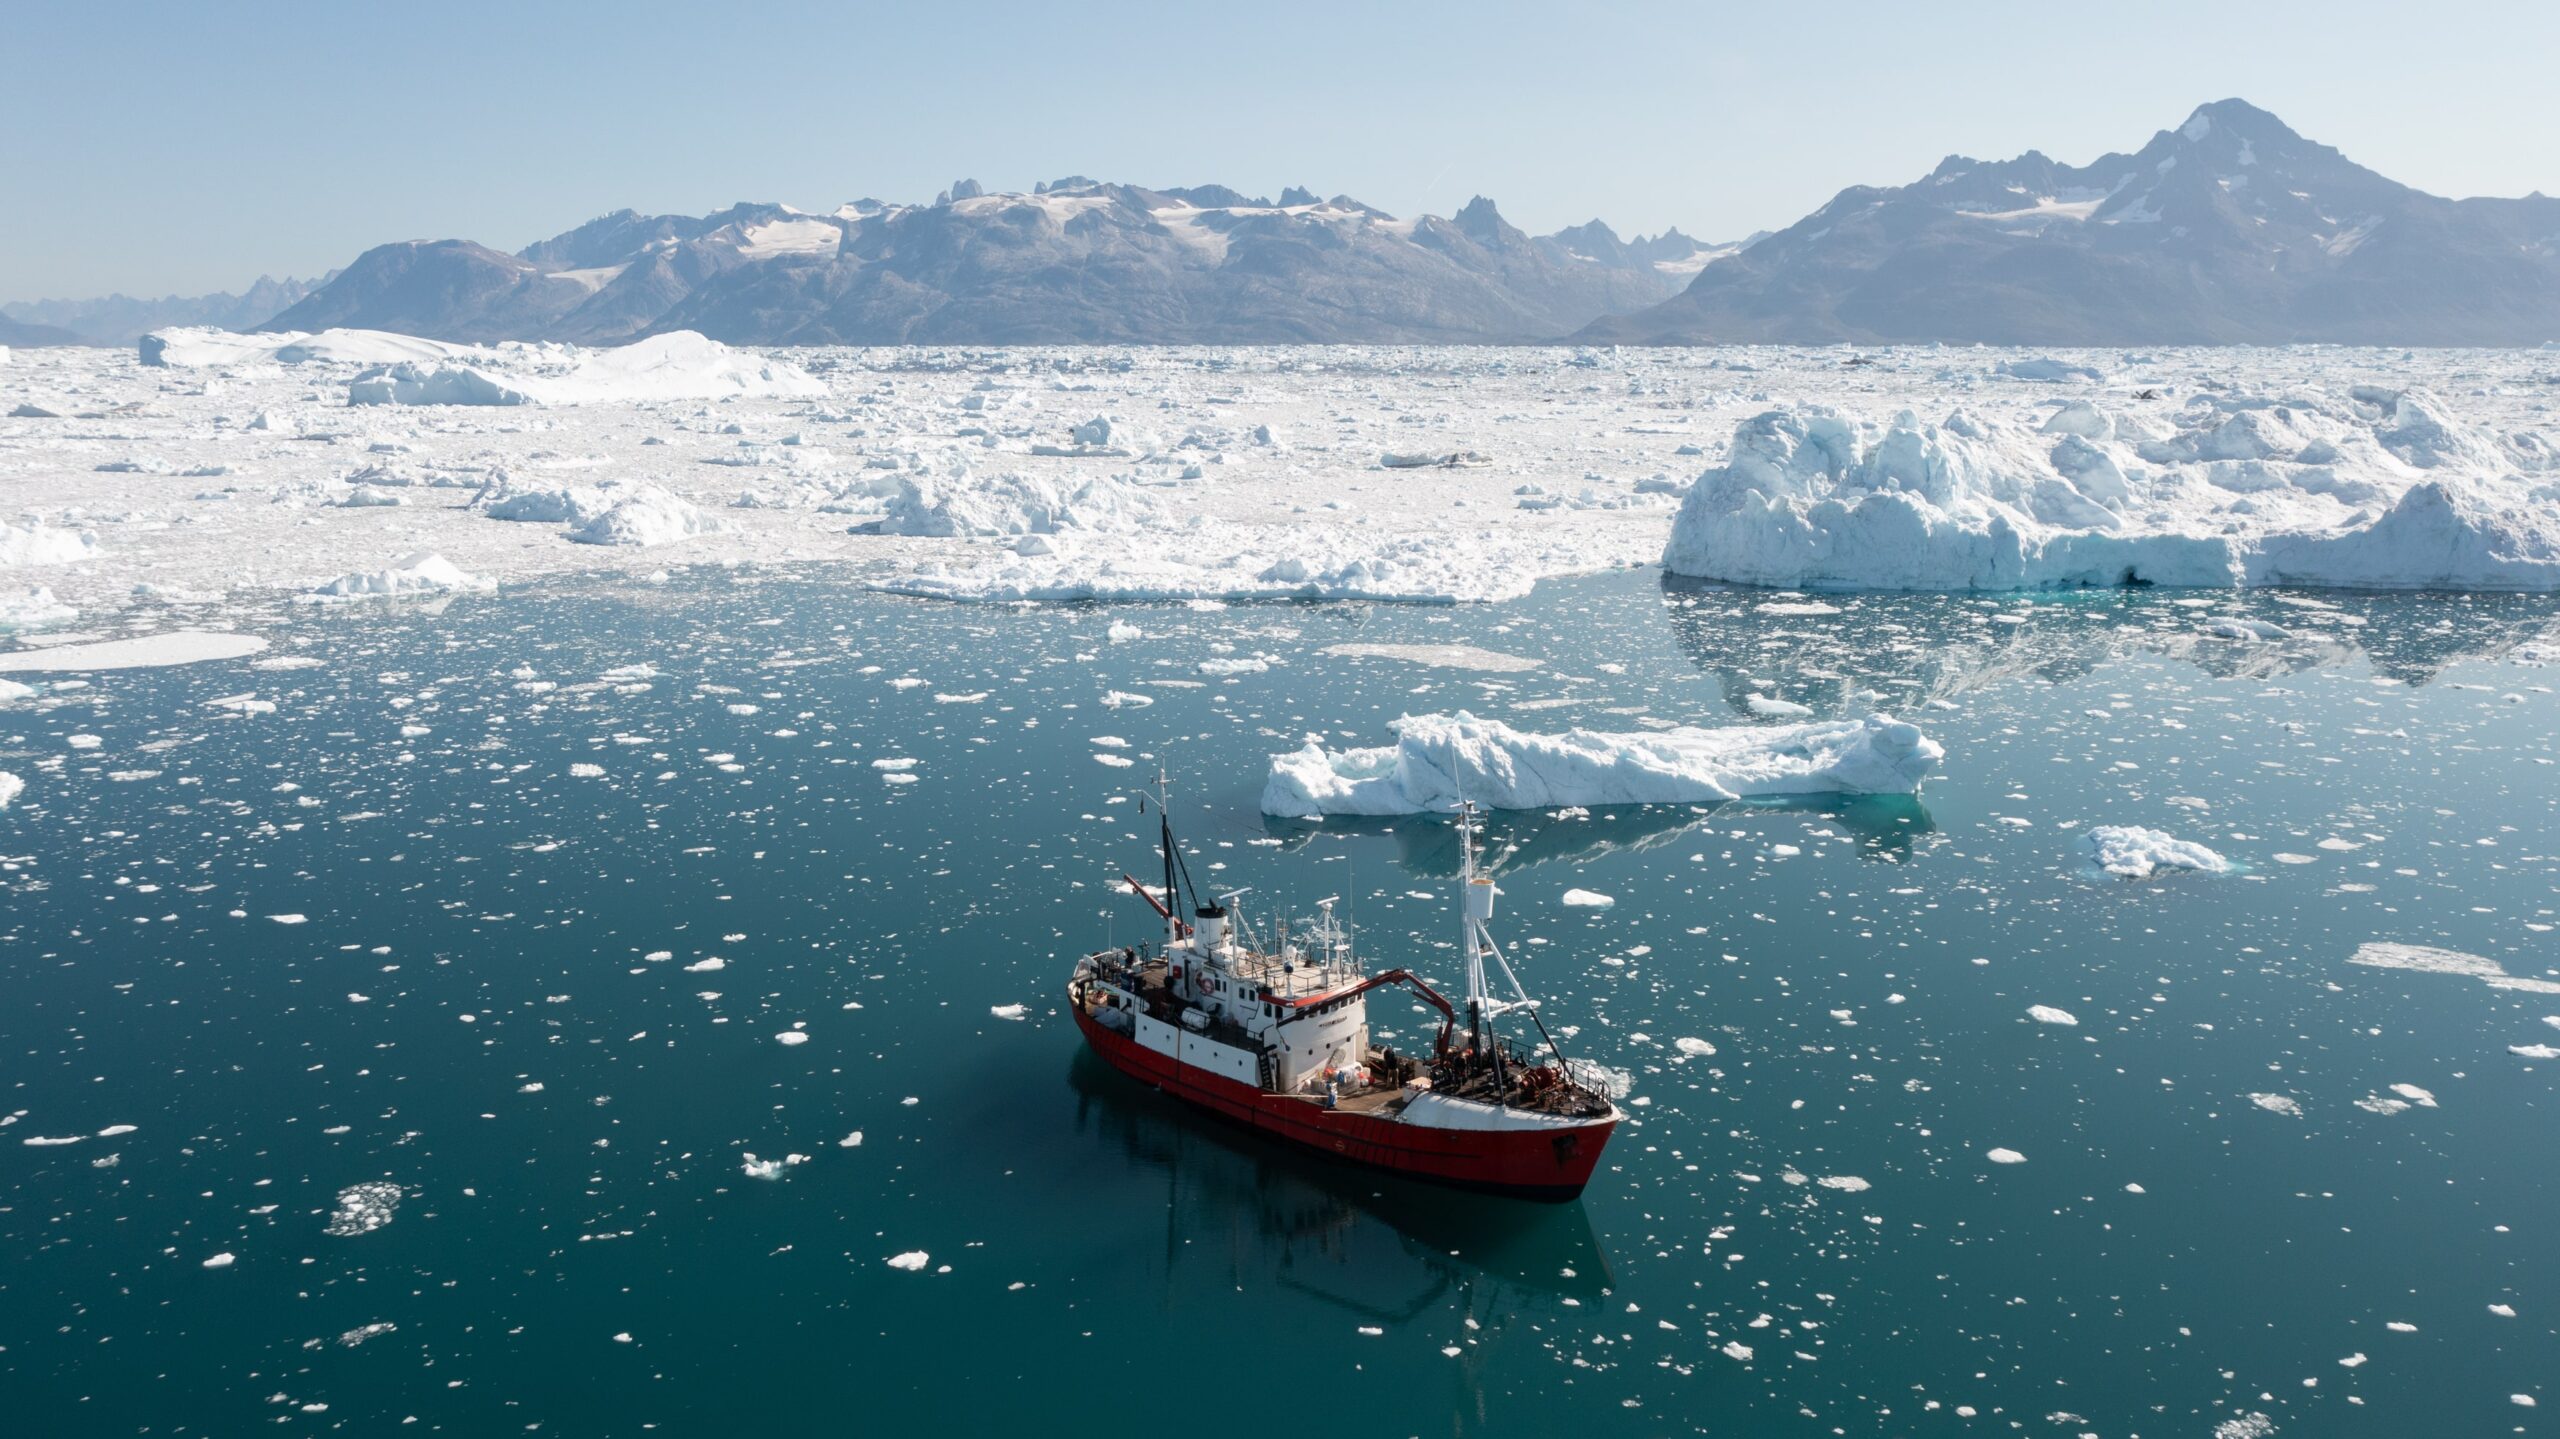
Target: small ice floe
{"x":2284,"y":1104}
{"x":773,"y":1168}
{"x":2412,"y":1093}
{"x":1772,"y":707}
{"x":712,"y":964}
{"x":362,"y":1332}
{"x":2534,"y":1051}
{"x":2047,"y":1014}
{"x":850,"y":1141}
{"x":223,"y":1260}
{"x":1692,"y":1046}
{"x":2005,"y":1156}
{"x":363,"y":1208}
{"x":1006,"y":1011}
{"x":1587,"y":899}
{"x":792,"y":1036}
{"x":1736,"y":1349}
{"x":1118,"y":699}
{"x":2421,"y":959}
{"x":1845,"y":1183}
{"x":1122,"y":630}
{"x":290,"y":918}
{"x":586,"y":771}
{"x":911,"y":1261}
{"x":1456,"y":657}
{"x":10,"y":788}
{"x":2133,"y":852}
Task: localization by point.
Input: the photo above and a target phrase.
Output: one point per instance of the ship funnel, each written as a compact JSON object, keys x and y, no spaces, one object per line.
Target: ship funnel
{"x":1479,"y":900}
{"x":1210,"y":933}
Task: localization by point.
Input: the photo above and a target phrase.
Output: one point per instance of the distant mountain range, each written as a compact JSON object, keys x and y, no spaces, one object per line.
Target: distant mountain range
{"x":2230,"y":229}
{"x":1076,"y":261}
{"x":121,"y":319}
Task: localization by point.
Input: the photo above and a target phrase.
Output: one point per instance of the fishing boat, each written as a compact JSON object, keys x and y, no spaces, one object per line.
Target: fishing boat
{"x":1272,"y":1032}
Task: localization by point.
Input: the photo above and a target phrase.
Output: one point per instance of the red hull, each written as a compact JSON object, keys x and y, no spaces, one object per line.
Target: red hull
{"x":1550,"y":1164}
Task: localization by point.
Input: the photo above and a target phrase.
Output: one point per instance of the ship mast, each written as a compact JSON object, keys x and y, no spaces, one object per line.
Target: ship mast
{"x":1475,"y":907}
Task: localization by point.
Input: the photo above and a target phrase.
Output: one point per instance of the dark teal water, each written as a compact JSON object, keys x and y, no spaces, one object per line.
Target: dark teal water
{"x":1101,"y":1262}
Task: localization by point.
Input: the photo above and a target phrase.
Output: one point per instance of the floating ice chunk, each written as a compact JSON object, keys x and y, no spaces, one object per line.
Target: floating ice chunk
{"x":422,"y":573}
{"x":911,"y":1261}
{"x":2047,"y":1014}
{"x":2424,"y":960}
{"x":10,"y":788}
{"x":646,"y":516}
{"x":1845,"y":1183}
{"x":364,"y":1208}
{"x":1438,"y":758}
{"x":1736,"y":1349}
{"x":712,"y":965}
{"x":1587,"y":899}
{"x":290,"y":918}
{"x":772,"y":1168}
{"x":1006,"y":1011}
{"x":1772,"y":707}
{"x":221,"y":1261}
{"x":586,"y":771}
{"x":2005,"y":1156}
{"x":850,"y":1141}
{"x":1456,"y":657}
{"x":2521,"y":1051}
{"x":2134,"y":852}
{"x":2284,"y":1104}
{"x":792,"y":1036}
{"x":41,"y":544}
{"x":1698,"y":1047}
{"x":2415,"y":1095}
{"x":32,"y":608}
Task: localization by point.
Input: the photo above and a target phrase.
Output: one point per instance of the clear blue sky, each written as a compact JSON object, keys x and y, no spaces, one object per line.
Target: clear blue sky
{"x":156,"y":148}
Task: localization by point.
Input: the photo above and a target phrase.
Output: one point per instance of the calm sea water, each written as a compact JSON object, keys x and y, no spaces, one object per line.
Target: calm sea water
{"x":500,"y":1008}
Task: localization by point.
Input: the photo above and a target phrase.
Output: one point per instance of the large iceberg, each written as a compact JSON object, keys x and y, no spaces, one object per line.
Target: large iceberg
{"x":680,"y":365}
{"x":2378,"y":489}
{"x":1439,"y":759}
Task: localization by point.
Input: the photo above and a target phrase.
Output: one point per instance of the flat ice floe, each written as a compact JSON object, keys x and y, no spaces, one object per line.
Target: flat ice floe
{"x":2133,"y":852}
{"x":2371,"y":488}
{"x":2423,"y":959}
{"x":1439,"y":759}
{"x":176,"y":647}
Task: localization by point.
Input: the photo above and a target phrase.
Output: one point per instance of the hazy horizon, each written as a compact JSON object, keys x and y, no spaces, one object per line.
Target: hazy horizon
{"x":201,"y":148}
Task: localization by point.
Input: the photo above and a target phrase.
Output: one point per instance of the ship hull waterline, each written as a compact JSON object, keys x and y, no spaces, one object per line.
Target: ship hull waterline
{"x":1550,"y":1165}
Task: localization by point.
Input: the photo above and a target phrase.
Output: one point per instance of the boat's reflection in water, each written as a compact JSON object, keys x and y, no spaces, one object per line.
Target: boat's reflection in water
{"x":1241,"y":1211}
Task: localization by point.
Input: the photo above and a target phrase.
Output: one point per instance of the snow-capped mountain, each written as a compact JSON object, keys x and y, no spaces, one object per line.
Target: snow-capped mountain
{"x":119,"y":320}
{"x":1074,"y":261}
{"x":2230,"y":228}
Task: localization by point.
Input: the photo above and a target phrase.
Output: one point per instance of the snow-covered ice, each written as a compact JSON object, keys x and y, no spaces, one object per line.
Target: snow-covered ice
{"x":2133,"y":852}
{"x":2364,"y":485}
{"x":1439,"y":759}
